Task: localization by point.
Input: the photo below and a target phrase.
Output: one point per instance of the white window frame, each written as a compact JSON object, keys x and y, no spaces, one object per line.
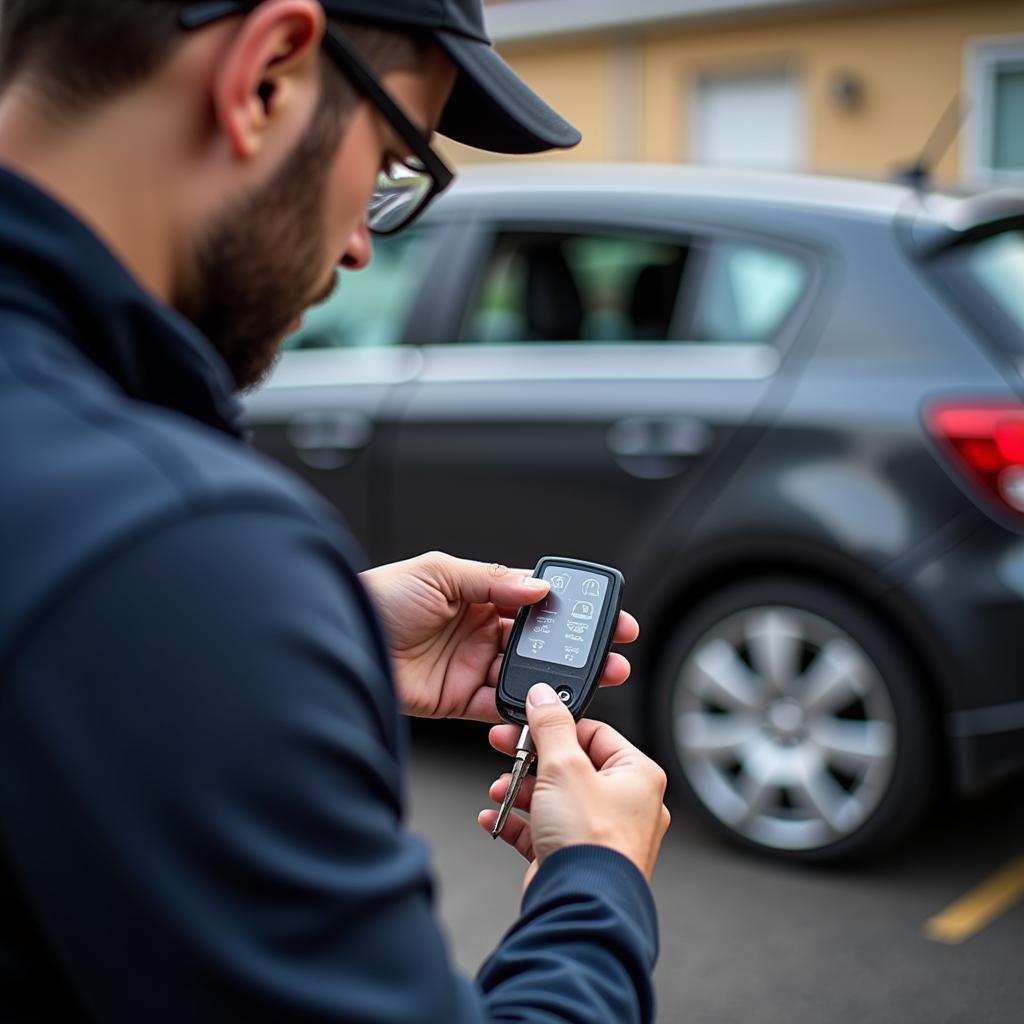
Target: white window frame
{"x":983,"y":56}
{"x":787,"y":68}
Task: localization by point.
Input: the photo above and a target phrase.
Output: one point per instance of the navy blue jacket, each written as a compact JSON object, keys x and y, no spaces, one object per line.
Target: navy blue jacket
{"x":201,"y":753}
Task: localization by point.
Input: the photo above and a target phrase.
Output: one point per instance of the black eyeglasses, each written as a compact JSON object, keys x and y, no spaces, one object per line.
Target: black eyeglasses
{"x":405,"y":187}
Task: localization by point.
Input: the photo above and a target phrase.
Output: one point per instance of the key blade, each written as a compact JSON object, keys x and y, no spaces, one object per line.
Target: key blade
{"x":521,"y":768}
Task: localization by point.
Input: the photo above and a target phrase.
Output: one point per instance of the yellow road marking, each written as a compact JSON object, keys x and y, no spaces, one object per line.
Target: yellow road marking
{"x":979,"y":907}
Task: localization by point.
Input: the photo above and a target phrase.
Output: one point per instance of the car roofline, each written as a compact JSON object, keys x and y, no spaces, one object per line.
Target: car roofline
{"x":946,"y":216}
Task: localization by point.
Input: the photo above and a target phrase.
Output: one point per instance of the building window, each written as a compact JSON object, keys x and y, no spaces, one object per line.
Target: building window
{"x":994,"y":138}
{"x":748,"y":119}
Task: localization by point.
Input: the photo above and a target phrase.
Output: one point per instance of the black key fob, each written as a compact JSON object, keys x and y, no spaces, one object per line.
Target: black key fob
{"x":563,"y":640}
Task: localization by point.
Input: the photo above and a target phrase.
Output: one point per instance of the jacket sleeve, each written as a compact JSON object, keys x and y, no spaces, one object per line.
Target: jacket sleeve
{"x":200,"y":770}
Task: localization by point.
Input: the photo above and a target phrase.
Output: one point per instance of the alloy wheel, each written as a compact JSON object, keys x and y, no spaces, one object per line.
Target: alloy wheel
{"x":784,"y":728}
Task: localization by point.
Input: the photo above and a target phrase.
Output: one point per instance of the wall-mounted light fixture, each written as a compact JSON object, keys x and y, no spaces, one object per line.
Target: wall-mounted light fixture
{"x":846,"y":89}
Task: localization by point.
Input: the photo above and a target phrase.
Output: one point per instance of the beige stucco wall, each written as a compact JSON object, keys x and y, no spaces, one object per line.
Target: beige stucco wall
{"x":630,"y":97}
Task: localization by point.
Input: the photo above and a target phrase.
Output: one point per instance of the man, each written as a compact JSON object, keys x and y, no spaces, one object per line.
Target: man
{"x":200,"y":751}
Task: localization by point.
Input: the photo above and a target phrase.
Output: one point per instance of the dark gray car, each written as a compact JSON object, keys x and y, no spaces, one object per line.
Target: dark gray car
{"x":789,"y":409}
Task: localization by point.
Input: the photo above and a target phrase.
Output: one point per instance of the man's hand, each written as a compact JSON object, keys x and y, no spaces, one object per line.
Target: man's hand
{"x":592,"y":787}
{"x":449,"y":620}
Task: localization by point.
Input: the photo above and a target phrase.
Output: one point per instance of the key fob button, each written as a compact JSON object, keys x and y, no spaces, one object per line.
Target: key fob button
{"x":565,"y":695}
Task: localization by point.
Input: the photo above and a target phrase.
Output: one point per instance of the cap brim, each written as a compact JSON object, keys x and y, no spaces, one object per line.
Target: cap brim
{"x":492,"y":108}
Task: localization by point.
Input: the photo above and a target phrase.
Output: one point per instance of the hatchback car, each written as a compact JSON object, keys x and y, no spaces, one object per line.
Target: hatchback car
{"x":788,"y":408}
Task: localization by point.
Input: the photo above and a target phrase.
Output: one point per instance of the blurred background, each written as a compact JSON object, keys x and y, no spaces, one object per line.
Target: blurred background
{"x":759,"y":343}
{"x":831,"y":86}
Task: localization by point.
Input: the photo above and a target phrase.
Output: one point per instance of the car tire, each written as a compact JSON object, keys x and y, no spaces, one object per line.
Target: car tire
{"x":794,"y":721}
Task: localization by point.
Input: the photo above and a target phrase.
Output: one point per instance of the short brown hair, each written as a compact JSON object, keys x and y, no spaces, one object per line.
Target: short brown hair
{"x":78,"y":53}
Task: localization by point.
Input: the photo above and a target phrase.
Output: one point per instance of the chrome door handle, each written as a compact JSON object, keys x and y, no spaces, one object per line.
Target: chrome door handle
{"x":329,"y":440}
{"x":658,"y":447}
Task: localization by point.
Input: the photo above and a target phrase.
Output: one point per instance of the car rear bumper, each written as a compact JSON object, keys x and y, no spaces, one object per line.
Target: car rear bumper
{"x":971,"y":600}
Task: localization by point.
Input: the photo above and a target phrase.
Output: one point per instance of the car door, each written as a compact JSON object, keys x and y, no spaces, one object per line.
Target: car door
{"x":326,"y":411}
{"x":575,"y":409}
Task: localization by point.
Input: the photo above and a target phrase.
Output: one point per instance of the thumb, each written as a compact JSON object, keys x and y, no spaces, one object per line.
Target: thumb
{"x":551,"y":724}
{"x":482,"y":582}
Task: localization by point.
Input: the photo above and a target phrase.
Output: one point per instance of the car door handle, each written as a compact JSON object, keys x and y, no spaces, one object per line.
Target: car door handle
{"x":329,"y":440}
{"x":657,"y":447}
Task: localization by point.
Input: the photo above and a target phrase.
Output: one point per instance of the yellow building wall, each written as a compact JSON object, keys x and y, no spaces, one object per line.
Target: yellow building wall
{"x":631,"y":96}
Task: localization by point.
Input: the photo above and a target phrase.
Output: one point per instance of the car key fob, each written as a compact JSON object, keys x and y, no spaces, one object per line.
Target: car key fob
{"x":563,"y":640}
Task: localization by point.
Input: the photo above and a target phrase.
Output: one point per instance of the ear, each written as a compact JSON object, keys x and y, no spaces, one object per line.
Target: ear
{"x":268,"y":77}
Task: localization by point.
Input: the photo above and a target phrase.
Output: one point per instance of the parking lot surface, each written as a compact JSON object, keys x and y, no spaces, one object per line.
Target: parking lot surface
{"x":748,"y":941}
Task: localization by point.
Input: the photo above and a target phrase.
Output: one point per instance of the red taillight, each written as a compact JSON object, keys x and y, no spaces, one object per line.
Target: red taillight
{"x":988,"y":443}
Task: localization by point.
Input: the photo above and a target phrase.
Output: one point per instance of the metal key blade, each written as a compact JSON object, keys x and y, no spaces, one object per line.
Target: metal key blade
{"x":525,"y":756}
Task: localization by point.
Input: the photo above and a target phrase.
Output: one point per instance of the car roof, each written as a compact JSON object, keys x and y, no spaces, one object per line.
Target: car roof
{"x":950,"y":212}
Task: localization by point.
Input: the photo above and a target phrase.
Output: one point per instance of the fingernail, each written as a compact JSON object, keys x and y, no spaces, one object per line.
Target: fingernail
{"x":540,"y":694}
{"x":535,"y":581}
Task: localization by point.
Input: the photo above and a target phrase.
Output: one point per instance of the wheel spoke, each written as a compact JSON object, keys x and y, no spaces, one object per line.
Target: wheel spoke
{"x":816,"y":788}
{"x":715,"y":736}
{"x":834,"y":680}
{"x":720,"y":675}
{"x":758,"y":793}
{"x":853,"y":745}
{"x":775,"y":641}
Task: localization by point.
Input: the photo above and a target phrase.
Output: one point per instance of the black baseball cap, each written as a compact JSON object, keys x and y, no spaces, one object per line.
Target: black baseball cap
{"x":491,"y":107}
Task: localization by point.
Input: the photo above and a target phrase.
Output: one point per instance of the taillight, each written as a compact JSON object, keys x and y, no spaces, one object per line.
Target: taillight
{"x":987,"y":442}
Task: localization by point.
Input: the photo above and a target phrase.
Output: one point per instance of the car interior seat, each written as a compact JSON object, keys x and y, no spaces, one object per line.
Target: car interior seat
{"x":554,"y":308}
{"x":655,"y":293}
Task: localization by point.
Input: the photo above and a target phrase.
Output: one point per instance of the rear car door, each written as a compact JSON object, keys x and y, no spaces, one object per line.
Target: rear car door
{"x":595,"y":374}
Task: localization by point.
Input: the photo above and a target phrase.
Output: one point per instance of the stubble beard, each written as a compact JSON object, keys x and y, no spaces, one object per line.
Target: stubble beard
{"x":261,"y":264}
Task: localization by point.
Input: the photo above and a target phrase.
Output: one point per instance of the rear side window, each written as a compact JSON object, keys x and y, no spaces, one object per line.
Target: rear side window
{"x":746,"y":293}
{"x":369,"y":308}
{"x":997,"y":265}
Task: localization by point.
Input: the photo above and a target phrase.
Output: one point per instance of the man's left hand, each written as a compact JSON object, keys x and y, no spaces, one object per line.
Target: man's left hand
{"x":449,"y":620}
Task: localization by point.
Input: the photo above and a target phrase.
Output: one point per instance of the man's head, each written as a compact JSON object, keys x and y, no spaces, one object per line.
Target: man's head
{"x":262,"y":141}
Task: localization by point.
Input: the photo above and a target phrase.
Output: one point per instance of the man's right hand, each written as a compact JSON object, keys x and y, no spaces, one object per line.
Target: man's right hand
{"x":592,"y":787}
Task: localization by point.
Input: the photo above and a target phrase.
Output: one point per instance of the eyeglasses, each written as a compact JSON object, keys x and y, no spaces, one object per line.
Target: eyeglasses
{"x":406,"y":186}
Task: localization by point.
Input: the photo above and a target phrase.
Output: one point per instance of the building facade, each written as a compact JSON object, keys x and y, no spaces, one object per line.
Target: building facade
{"x":837,"y":86}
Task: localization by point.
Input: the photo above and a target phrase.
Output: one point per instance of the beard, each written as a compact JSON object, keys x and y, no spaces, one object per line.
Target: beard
{"x":260,"y":264}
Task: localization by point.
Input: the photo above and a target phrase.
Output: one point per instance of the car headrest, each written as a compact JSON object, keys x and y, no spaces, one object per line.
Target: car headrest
{"x":554,"y":310}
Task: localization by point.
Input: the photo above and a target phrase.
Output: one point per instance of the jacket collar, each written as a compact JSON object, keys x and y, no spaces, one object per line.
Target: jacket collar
{"x":54,"y":268}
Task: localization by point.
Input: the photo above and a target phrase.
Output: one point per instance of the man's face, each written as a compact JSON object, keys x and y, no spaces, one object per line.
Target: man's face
{"x":273,"y":253}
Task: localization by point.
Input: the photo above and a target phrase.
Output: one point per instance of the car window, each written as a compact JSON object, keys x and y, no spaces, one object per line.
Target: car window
{"x":746,"y":293}
{"x":576,"y":287}
{"x":998,"y":265}
{"x":369,"y":307}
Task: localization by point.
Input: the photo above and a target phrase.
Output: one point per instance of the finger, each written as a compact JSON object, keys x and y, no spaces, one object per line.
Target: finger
{"x":627,"y":629}
{"x":503,"y":738}
{"x":522,"y":801}
{"x":551,"y":726}
{"x":506,"y":631}
{"x":601,"y":743}
{"x":481,"y":707}
{"x":507,"y":611}
{"x":483,"y":583}
{"x":516,"y":831}
{"x":616,"y":670}
{"x":494,"y":672}
{"x":598,"y":740}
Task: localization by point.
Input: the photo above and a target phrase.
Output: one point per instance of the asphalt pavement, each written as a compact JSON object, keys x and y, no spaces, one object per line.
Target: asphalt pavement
{"x":749,"y":941}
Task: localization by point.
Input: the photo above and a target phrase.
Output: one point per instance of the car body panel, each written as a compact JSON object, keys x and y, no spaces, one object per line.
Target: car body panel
{"x":689,"y":465}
